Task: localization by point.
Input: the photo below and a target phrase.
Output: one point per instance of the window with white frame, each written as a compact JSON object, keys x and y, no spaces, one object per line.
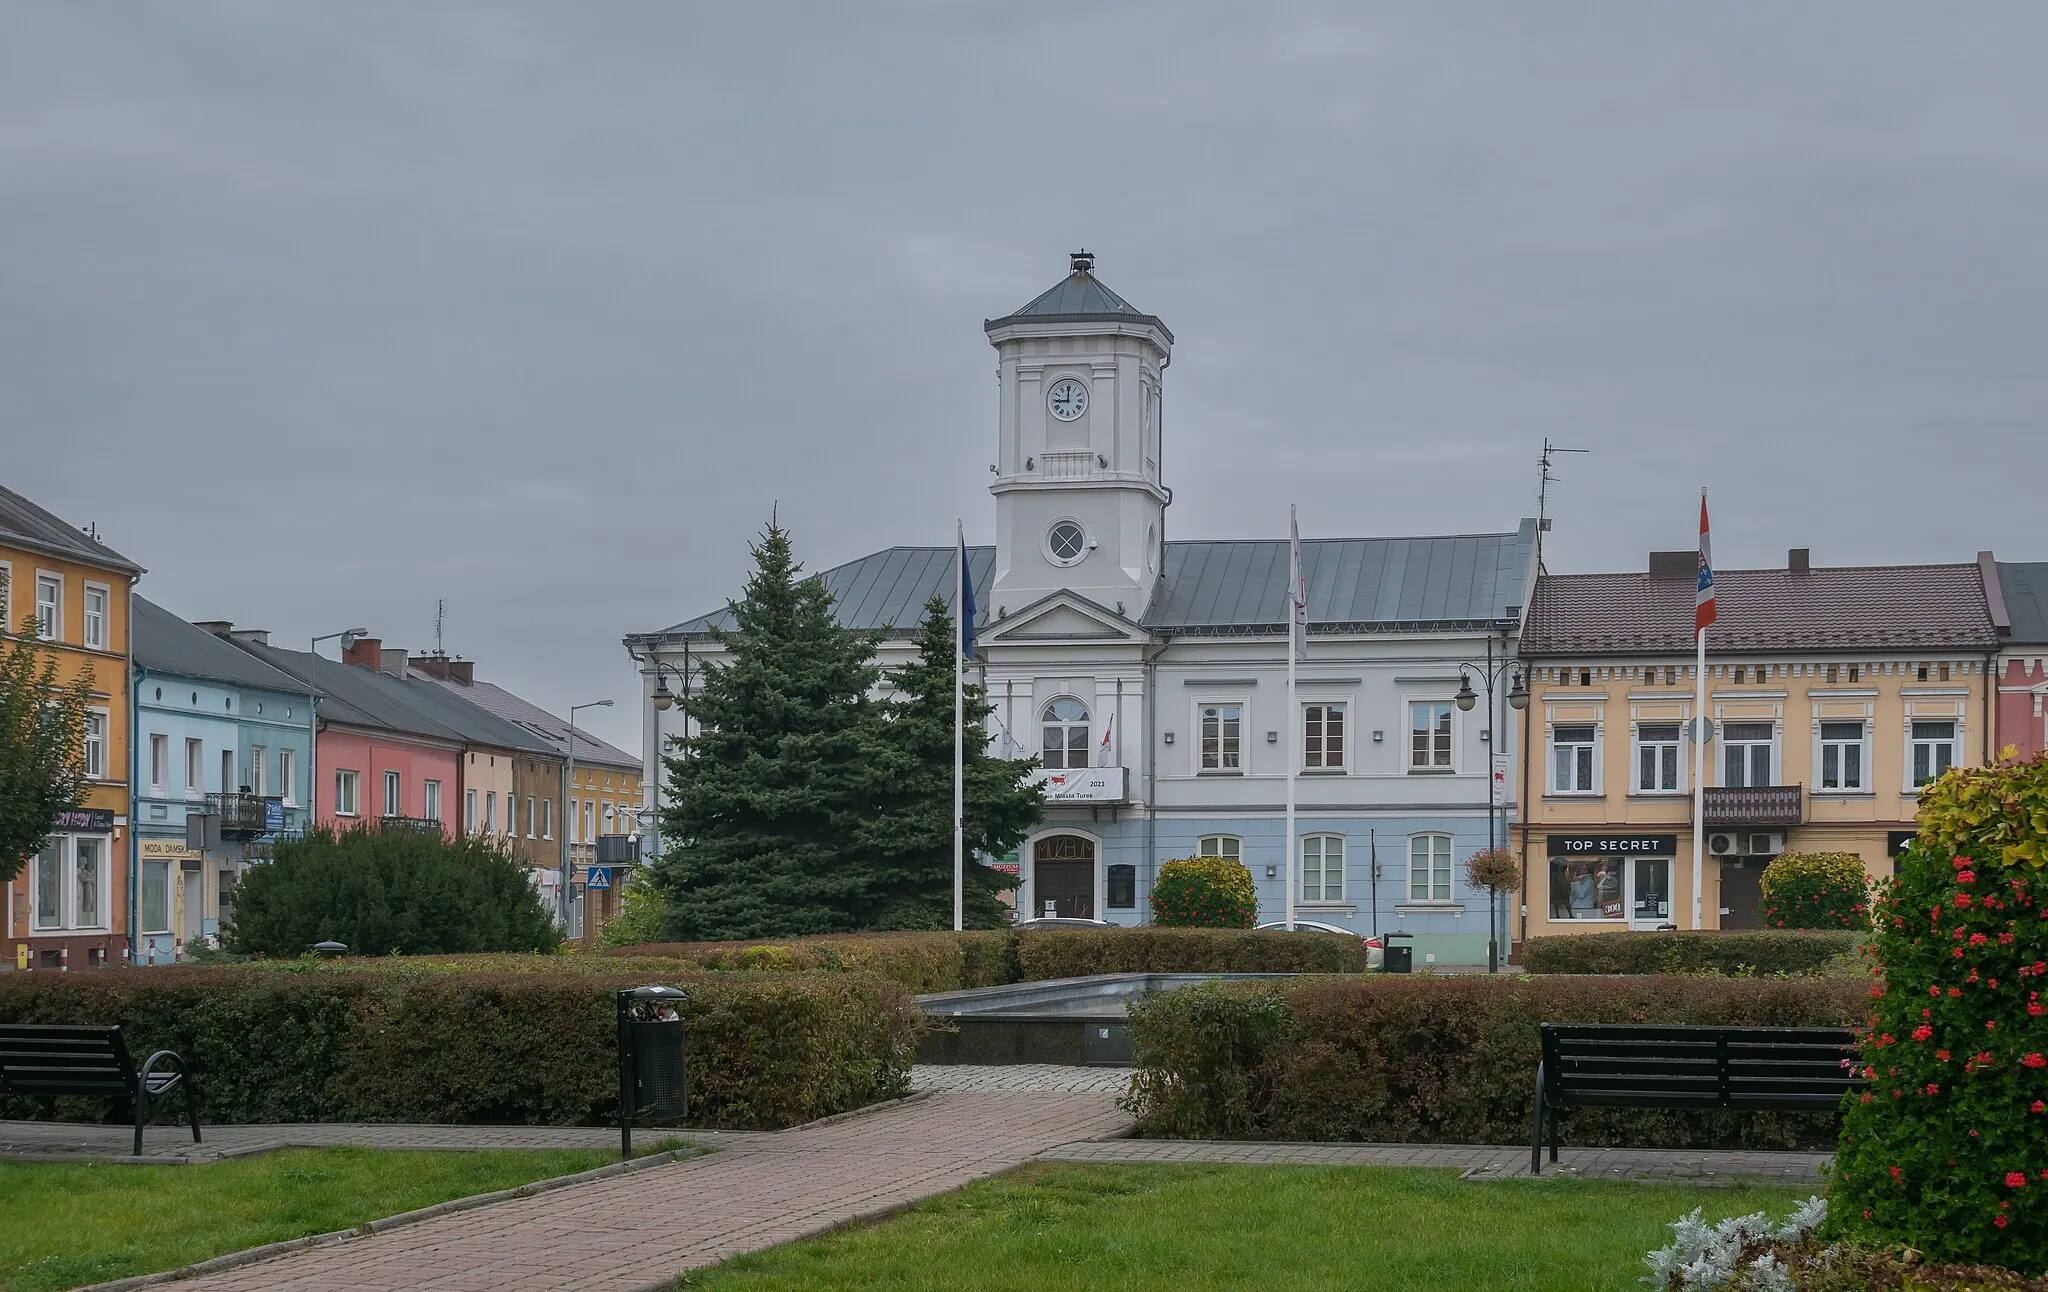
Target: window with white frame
{"x":394,"y":794}
{"x":1222,"y":741}
{"x":1063,"y":733}
{"x":195,"y":768}
{"x":287,"y":775}
{"x":1322,"y":735}
{"x":227,"y":771}
{"x":547,"y":818}
{"x":1221,"y":845}
{"x":96,"y":745}
{"x":153,"y":897}
{"x":430,"y":800}
{"x":490,"y":811}
{"x":49,"y":605}
{"x":532,"y":819}
{"x":6,"y":597}
{"x":1429,"y":868}
{"x":1657,"y":756}
{"x":1322,"y":868}
{"x":609,"y":820}
{"x":159,"y":762}
{"x":1746,"y":753}
{"x":1934,"y":749}
{"x":1429,"y":736}
{"x":95,"y":616}
{"x":259,"y":770}
{"x":346,"y":785}
{"x":1841,"y":757}
{"x":69,"y":883}
{"x":1572,"y":749}
{"x":469,"y":811}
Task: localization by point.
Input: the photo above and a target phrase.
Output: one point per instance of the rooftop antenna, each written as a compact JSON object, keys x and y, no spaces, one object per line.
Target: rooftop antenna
{"x":440,"y":614}
{"x":1543,"y":479}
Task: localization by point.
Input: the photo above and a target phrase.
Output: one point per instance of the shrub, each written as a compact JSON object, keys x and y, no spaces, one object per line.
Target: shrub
{"x":521,"y":1040}
{"x":1744,"y":953}
{"x":1072,"y":953}
{"x":921,"y":962}
{"x":1816,"y":890}
{"x":389,"y":892}
{"x":1204,"y":893}
{"x":1395,"y":1059}
{"x":639,"y":915}
{"x":1947,"y":1152}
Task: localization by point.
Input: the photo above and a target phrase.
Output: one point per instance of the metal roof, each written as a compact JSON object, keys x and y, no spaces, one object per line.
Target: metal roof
{"x":165,"y":643}
{"x":497,"y":701}
{"x":24,"y":524}
{"x":1077,"y":298}
{"x":1873,"y":607}
{"x":2025,"y":584}
{"x":356,"y":696}
{"x":1226,"y":587}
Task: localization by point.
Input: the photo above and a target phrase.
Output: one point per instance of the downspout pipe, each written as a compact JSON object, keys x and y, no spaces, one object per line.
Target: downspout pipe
{"x":1151,"y":659}
{"x":134,"y":780}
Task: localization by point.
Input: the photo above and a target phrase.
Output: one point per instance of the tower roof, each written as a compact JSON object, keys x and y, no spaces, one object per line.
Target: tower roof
{"x":1080,"y":297}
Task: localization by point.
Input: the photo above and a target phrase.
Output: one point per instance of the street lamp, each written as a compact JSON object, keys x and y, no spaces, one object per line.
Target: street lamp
{"x":1492,"y":672}
{"x":568,"y":826}
{"x":348,"y":639}
{"x":663,"y":700}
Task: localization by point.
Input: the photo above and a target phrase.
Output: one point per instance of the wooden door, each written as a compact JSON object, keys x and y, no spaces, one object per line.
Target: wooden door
{"x":1063,"y":875}
{"x":1742,"y":892}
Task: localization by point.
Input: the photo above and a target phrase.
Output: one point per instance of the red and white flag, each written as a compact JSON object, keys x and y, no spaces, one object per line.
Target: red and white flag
{"x":1704,"y":610}
{"x":1102,"y":749}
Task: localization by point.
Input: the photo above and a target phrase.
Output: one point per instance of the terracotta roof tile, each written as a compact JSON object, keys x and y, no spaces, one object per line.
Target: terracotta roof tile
{"x":1877,"y":607}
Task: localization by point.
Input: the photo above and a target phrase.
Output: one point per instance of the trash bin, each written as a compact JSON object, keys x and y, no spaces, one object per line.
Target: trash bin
{"x":1399,"y":955}
{"x":653,"y":1076}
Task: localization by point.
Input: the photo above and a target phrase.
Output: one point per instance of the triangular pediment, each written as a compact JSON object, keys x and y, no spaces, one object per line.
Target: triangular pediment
{"x":1065,"y":617}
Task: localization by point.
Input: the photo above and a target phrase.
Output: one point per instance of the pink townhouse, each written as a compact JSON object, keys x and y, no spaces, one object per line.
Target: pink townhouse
{"x":2019,"y":607}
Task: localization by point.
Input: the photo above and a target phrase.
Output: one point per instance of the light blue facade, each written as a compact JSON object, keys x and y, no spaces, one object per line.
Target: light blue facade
{"x":202,"y":729}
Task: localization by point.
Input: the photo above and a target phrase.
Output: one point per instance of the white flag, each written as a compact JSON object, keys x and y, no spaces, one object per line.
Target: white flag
{"x":1297,"y":590}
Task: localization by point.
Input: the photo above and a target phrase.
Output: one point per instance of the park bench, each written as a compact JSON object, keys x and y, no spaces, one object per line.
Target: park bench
{"x":1624,"y":1065}
{"x":53,"y":1059}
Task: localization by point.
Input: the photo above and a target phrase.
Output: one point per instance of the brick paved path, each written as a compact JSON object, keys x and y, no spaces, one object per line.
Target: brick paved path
{"x":1021,"y":1077}
{"x":1477,"y":1161}
{"x":638,"y":1231}
{"x":70,"y":1141}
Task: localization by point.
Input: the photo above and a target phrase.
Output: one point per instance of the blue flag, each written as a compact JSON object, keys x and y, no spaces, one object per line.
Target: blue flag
{"x":964,"y":604}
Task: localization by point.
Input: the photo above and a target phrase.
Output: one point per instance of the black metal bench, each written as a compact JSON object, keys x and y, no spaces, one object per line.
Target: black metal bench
{"x":1624,"y":1065}
{"x":52,"y":1059}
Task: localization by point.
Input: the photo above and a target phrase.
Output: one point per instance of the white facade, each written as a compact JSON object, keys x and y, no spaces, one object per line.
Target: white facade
{"x":1161,"y":666}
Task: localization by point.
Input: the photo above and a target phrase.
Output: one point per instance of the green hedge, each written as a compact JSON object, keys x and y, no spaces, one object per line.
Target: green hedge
{"x":1438,"y":1060}
{"x":935,"y":962}
{"x":519,"y":1040}
{"x":1758,"y":953}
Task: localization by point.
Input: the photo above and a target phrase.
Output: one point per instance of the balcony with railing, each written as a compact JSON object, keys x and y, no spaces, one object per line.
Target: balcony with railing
{"x":242,"y":816}
{"x":1070,"y":464}
{"x":1755,"y":805}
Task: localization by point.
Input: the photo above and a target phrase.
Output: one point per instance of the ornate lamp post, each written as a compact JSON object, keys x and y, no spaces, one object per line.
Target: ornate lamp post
{"x":1517,"y":696}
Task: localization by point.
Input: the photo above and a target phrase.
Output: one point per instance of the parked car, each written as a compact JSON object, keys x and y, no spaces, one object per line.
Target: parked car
{"x":1374,"y":947}
{"x":1064,"y":922}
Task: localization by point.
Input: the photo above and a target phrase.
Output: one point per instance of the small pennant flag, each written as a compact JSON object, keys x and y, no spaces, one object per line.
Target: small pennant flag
{"x":1297,"y":591}
{"x":1102,"y":749}
{"x":1704,"y":609}
{"x":965,"y":603}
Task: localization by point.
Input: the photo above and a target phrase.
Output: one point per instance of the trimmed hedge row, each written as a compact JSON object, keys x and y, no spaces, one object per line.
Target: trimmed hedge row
{"x":510,"y":1042}
{"x":935,"y":962}
{"x":1445,"y":1060}
{"x":1757,"y":953}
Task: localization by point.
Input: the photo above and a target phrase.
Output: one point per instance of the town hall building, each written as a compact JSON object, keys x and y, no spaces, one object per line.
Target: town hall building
{"x":1149,"y":673}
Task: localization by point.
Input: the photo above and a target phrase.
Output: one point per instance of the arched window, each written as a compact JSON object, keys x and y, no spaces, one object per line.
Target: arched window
{"x":1065,"y":732}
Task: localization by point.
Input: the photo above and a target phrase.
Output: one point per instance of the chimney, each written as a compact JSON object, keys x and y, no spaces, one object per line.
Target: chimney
{"x":254,"y":636}
{"x":1799,"y":560}
{"x":367,"y":651}
{"x":218,"y":627}
{"x":432,"y":665}
{"x":391,"y":659}
{"x":463,"y":671}
{"x":1674,"y":565}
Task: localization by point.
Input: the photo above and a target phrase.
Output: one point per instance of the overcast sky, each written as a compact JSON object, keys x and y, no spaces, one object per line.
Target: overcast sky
{"x":325,"y":311}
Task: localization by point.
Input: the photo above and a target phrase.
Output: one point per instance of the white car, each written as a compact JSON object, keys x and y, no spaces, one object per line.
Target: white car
{"x":1373,"y":946}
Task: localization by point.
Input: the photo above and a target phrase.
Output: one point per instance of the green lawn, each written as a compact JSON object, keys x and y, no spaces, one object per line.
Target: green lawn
{"x":64,"y":1224}
{"x":1181,"y":1228}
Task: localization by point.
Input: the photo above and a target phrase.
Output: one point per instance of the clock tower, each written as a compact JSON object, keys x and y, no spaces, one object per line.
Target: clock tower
{"x":1079,"y":502}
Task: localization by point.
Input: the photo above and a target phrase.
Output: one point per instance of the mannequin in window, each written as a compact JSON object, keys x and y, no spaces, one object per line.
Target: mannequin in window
{"x":1064,"y":726}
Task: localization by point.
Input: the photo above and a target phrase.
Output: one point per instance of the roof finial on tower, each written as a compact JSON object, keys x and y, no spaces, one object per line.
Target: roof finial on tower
{"x":1082,"y":261}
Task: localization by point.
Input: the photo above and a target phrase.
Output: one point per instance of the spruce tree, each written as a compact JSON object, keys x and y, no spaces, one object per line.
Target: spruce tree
{"x":768,"y":791}
{"x":908,"y":840}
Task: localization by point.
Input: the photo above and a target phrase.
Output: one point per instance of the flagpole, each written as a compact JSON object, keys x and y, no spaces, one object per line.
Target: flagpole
{"x":1293,"y":617}
{"x":960,"y":613}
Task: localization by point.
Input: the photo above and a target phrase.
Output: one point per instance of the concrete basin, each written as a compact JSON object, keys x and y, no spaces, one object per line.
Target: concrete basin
{"x":1077,"y":1022}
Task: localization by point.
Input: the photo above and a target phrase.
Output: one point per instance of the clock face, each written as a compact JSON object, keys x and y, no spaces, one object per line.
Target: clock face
{"x":1067,"y":399}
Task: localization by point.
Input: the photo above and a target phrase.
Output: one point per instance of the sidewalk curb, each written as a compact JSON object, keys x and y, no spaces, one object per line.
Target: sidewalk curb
{"x":251,"y":1255}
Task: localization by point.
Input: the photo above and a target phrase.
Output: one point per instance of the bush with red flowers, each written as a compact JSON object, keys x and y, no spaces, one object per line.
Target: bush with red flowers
{"x":1946,"y":1150}
{"x":1816,"y":890}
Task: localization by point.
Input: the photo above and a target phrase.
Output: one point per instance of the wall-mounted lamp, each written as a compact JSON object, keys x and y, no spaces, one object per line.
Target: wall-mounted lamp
{"x":1272,"y":737}
{"x":1378,"y":736}
{"x":1169,"y":737}
{"x":1272,"y":872}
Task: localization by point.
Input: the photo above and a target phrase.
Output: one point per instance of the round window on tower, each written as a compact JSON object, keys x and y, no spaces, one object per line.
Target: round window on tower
{"x":1066,"y":542}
